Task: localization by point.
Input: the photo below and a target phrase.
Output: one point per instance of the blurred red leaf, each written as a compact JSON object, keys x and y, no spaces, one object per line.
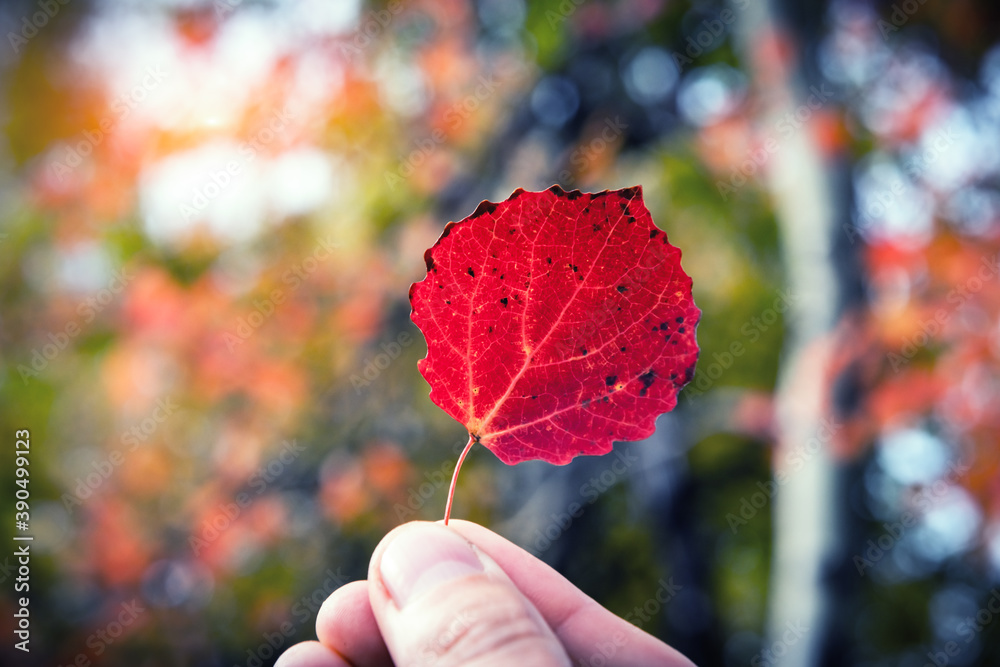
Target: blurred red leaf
{"x":556,"y":323}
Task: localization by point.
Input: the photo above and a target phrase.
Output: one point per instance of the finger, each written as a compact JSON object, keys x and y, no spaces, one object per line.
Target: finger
{"x":310,"y":654}
{"x":345,"y":623}
{"x":586,"y":629}
{"x":438,"y":600}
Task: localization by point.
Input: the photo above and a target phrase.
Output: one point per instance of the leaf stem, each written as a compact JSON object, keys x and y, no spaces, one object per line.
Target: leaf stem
{"x":454,"y":479}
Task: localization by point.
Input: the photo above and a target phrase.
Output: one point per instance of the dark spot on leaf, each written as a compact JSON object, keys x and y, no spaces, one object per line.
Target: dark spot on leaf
{"x":495,"y":269}
{"x":621,"y":289}
{"x":548,"y":259}
{"x":585,"y":402}
{"x":683,"y":330}
{"x":575,"y":268}
{"x":491,"y":328}
{"x":622,"y":348}
{"x":471,"y":272}
{"x":501,"y":276}
{"x":689,"y":373}
{"x":631,"y":219}
{"x":680,"y":320}
{"x":535,"y":396}
{"x":624,"y":207}
{"x":557,"y":191}
{"x":448,"y":302}
{"x":514,"y":195}
{"x":440,"y":286}
{"x":653,"y":233}
{"x":597,"y":228}
{"x":646,"y":379}
{"x":513,"y":230}
{"x":484,"y":208}
{"x":610,"y":380}
{"x":664,"y":326}
{"x":667,"y":337}
{"x":504,"y":302}
{"x":573,"y":195}
{"x":673,"y":376}
{"x":430,"y":262}
{"x":655,"y":328}
{"x":629,"y":193}
{"x":605,"y":400}
{"x":583,"y":351}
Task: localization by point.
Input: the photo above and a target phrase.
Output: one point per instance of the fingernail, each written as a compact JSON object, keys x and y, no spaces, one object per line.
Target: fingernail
{"x":424,"y":557}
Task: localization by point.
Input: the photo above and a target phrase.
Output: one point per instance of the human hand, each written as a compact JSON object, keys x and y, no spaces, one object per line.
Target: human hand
{"x":463,"y":595}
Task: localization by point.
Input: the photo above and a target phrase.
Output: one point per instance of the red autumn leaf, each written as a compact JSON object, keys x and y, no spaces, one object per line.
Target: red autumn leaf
{"x":556,"y":322}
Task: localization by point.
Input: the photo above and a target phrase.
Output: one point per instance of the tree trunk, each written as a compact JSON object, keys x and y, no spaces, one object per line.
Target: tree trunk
{"x":808,"y":516}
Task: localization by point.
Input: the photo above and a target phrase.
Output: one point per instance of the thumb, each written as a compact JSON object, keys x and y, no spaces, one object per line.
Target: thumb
{"x":440,"y":600}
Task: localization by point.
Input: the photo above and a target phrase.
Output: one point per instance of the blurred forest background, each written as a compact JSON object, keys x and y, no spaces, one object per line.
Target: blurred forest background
{"x":211,"y":213}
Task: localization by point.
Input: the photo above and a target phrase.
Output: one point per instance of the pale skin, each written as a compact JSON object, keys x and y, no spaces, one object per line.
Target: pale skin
{"x":463,"y":595}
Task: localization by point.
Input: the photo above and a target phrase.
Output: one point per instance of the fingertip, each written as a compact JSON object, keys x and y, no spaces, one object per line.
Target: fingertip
{"x":435,"y":594}
{"x":346,"y":624}
{"x":310,"y":654}
{"x":421,"y":557}
{"x":390,"y":537}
